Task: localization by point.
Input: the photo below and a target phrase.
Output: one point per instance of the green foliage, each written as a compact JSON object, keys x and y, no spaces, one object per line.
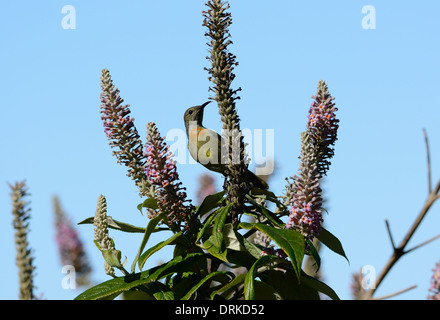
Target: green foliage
{"x":206,"y":256}
{"x":289,"y":240}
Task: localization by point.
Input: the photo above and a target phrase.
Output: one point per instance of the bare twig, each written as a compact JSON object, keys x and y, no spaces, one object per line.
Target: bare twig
{"x":423,"y":243}
{"x":428,"y":160}
{"x":389,"y":233}
{"x":399,"y":251}
{"x":395,"y":293}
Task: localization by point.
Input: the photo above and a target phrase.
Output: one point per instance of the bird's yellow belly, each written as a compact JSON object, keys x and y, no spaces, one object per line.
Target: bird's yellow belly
{"x":204,"y":147}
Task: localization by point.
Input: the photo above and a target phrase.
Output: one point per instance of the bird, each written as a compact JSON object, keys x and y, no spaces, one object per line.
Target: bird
{"x":205,"y":145}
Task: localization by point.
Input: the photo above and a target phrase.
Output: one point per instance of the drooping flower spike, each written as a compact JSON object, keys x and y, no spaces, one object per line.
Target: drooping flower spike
{"x":161,"y":173}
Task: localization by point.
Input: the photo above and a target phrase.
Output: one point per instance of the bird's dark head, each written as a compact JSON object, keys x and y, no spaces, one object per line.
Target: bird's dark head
{"x":195,"y":114}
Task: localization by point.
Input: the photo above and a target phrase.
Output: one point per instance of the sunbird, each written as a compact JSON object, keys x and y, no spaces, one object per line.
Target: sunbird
{"x":205,"y":145}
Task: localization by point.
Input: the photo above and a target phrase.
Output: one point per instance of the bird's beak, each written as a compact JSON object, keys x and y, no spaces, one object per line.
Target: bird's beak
{"x":205,"y":104}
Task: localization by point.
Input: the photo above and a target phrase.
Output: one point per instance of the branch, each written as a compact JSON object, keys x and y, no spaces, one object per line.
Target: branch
{"x":396,"y":293}
{"x":389,"y":234}
{"x":399,"y":251}
{"x":428,"y":160}
{"x":423,"y":243}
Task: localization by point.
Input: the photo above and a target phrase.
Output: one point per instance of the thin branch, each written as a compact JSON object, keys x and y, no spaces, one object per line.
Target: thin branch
{"x":429,"y":202}
{"x":399,"y":251}
{"x":395,"y":293}
{"x":423,"y":243}
{"x":428,"y":160}
{"x":389,"y":234}
{"x":436,"y":189}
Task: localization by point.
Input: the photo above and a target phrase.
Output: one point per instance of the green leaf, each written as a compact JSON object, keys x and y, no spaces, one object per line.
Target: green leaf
{"x":143,"y":258}
{"x":264,"y":291}
{"x":219,"y":218}
{"x":117,"y":225}
{"x":331,"y":242}
{"x":267,"y":195}
{"x":148,"y":230}
{"x":136,"y":295}
{"x":252,"y":249}
{"x":291,"y":241}
{"x":191,"y":263}
{"x":320,"y":286}
{"x":249,"y":290}
{"x":209,"y":203}
{"x":315,"y":255}
{"x":267,"y":213}
{"x":231,"y":238}
{"x":112,"y":288}
{"x":204,"y":228}
{"x":215,"y":244}
{"x":219,"y":253}
{"x":217,"y":233}
{"x":236,"y":281}
{"x":215,"y":274}
{"x":148,"y":203}
{"x":285,"y":283}
{"x":113,"y":258}
{"x":160,"y":291}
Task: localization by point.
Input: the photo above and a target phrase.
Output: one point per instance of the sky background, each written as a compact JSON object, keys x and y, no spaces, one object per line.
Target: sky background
{"x":385,"y":82}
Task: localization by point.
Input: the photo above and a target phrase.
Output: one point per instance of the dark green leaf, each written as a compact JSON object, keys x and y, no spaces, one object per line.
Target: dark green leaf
{"x":267,"y":195}
{"x":143,"y":258}
{"x":267,"y":213}
{"x":215,"y":244}
{"x":315,"y":255}
{"x":331,"y":242}
{"x":235,"y":282}
{"x":252,"y":249}
{"x":210,"y":276}
{"x":217,"y":234}
{"x":264,"y":291}
{"x":285,"y":283}
{"x":249,"y":290}
{"x":209,"y":203}
{"x":160,"y":291}
{"x":191,"y":263}
{"x":148,"y":203}
{"x":112,"y":288}
{"x":220,"y":253}
{"x":117,"y":225}
{"x":148,"y":230}
{"x":137,"y":295}
{"x":320,"y":286}
{"x":206,"y":225}
{"x":291,"y":241}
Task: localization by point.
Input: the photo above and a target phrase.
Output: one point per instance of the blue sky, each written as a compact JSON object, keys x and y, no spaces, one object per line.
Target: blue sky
{"x":385,"y":82}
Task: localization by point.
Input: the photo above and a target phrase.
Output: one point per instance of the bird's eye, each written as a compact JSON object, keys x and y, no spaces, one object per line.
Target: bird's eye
{"x":190,"y":112}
